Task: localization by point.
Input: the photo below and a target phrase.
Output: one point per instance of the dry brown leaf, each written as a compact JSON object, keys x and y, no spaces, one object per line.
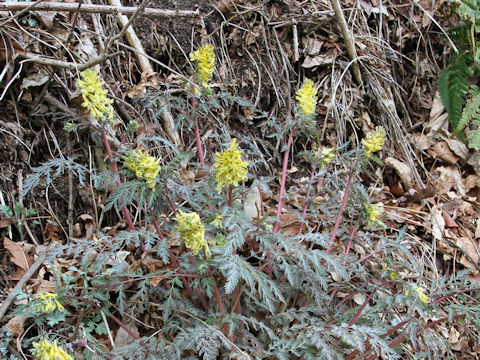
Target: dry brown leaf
{"x":470,"y":182}
{"x":18,"y":256}
{"x":89,"y":225}
{"x":403,"y":171}
{"x":438,"y":223}
{"x":442,"y":151}
{"x":449,"y":222}
{"x":319,"y":60}
{"x":447,"y":178}
{"x":437,"y":109}
{"x":458,"y":147}
{"x":422,"y":141}
{"x":15,"y":325}
{"x":470,"y":247}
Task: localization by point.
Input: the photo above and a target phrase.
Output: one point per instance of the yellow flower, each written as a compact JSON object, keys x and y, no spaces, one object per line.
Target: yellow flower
{"x":47,"y":303}
{"x":374,"y":141}
{"x":217,"y":223}
{"x":424,"y":299}
{"x":307,"y":98}
{"x":205,"y":58}
{"x":94,"y":96}
{"x":46,"y":350}
{"x":229,"y":167}
{"x":326,"y":156}
{"x":145,"y":166}
{"x":192,"y":231}
{"x":373,"y":212}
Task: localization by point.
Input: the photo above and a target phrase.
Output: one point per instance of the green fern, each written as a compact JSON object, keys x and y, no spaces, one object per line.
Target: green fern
{"x":470,"y":111}
{"x":453,"y":87}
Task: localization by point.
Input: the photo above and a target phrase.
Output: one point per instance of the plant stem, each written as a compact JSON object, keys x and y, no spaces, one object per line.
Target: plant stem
{"x":113,"y":317}
{"x":125,"y":211}
{"x":197,"y":133}
{"x":175,"y":263}
{"x":342,"y":206}
{"x":222,"y":310}
{"x":283,"y":180}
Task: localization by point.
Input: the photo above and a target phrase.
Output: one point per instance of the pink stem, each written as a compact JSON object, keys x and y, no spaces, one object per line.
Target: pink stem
{"x":307,"y":202}
{"x":125,"y":211}
{"x":283,"y":181}
{"x":175,"y":263}
{"x":342,"y":208}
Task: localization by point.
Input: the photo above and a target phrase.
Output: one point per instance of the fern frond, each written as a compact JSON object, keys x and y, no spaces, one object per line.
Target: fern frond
{"x":470,"y":111}
{"x":453,"y":86}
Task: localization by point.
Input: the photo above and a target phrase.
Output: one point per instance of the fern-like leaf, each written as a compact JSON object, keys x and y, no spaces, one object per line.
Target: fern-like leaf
{"x":453,"y":86}
{"x":470,"y":111}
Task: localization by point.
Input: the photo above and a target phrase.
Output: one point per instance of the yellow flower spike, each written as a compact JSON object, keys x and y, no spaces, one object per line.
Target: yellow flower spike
{"x":424,"y":299}
{"x":47,"y":303}
{"x":307,"y":98}
{"x":145,"y":166}
{"x":374,"y":141}
{"x":229,"y":168}
{"x":205,"y":60}
{"x":95,"y":97}
{"x":46,"y":350}
{"x":192,"y":231}
{"x":217,"y":223}
{"x":326,"y":156}
{"x":373,"y":212}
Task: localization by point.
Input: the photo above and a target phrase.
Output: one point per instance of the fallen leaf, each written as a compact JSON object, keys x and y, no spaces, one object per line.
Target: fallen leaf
{"x":15,"y":324}
{"x":437,"y":108}
{"x":18,"y":256}
{"x":422,"y":141}
{"x":447,"y":178}
{"x":449,"y":222}
{"x":442,"y":151}
{"x":470,"y":182}
{"x":319,"y":60}
{"x":458,"y":147}
{"x":403,"y":171}
{"x":122,"y":337}
{"x":438,"y":224}
{"x":470,"y":247}
{"x":252,"y":204}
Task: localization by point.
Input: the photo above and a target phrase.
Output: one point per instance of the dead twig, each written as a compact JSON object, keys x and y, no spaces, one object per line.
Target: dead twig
{"x":98,"y":9}
{"x":38,"y":59}
{"x":349,"y":43}
{"x":145,"y":68}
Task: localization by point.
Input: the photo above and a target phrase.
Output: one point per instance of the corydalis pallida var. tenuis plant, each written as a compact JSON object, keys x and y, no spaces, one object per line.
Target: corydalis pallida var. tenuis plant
{"x":224,"y":282}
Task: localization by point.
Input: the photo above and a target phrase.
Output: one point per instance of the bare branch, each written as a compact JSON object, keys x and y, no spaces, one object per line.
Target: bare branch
{"x":100,"y":9}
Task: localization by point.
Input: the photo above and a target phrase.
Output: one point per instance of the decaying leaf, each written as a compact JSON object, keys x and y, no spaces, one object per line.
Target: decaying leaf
{"x":252,"y":204}
{"x":15,"y":325}
{"x":18,"y":256}
{"x":438,"y":223}
{"x":441,"y":150}
{"x":403,"y":171}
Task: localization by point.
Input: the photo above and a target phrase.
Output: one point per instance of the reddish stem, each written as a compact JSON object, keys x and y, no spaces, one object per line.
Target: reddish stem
{"x":283,"y":180}
{"x":307,"y":201}
{"x":175,"y":263}
{"x":113,"y":317}
{"x":359,"y":312}
{"x":125,"y":211}
{"x":342,"y":208}
{"x":222,"y":310}
{"x":197,"y":133}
